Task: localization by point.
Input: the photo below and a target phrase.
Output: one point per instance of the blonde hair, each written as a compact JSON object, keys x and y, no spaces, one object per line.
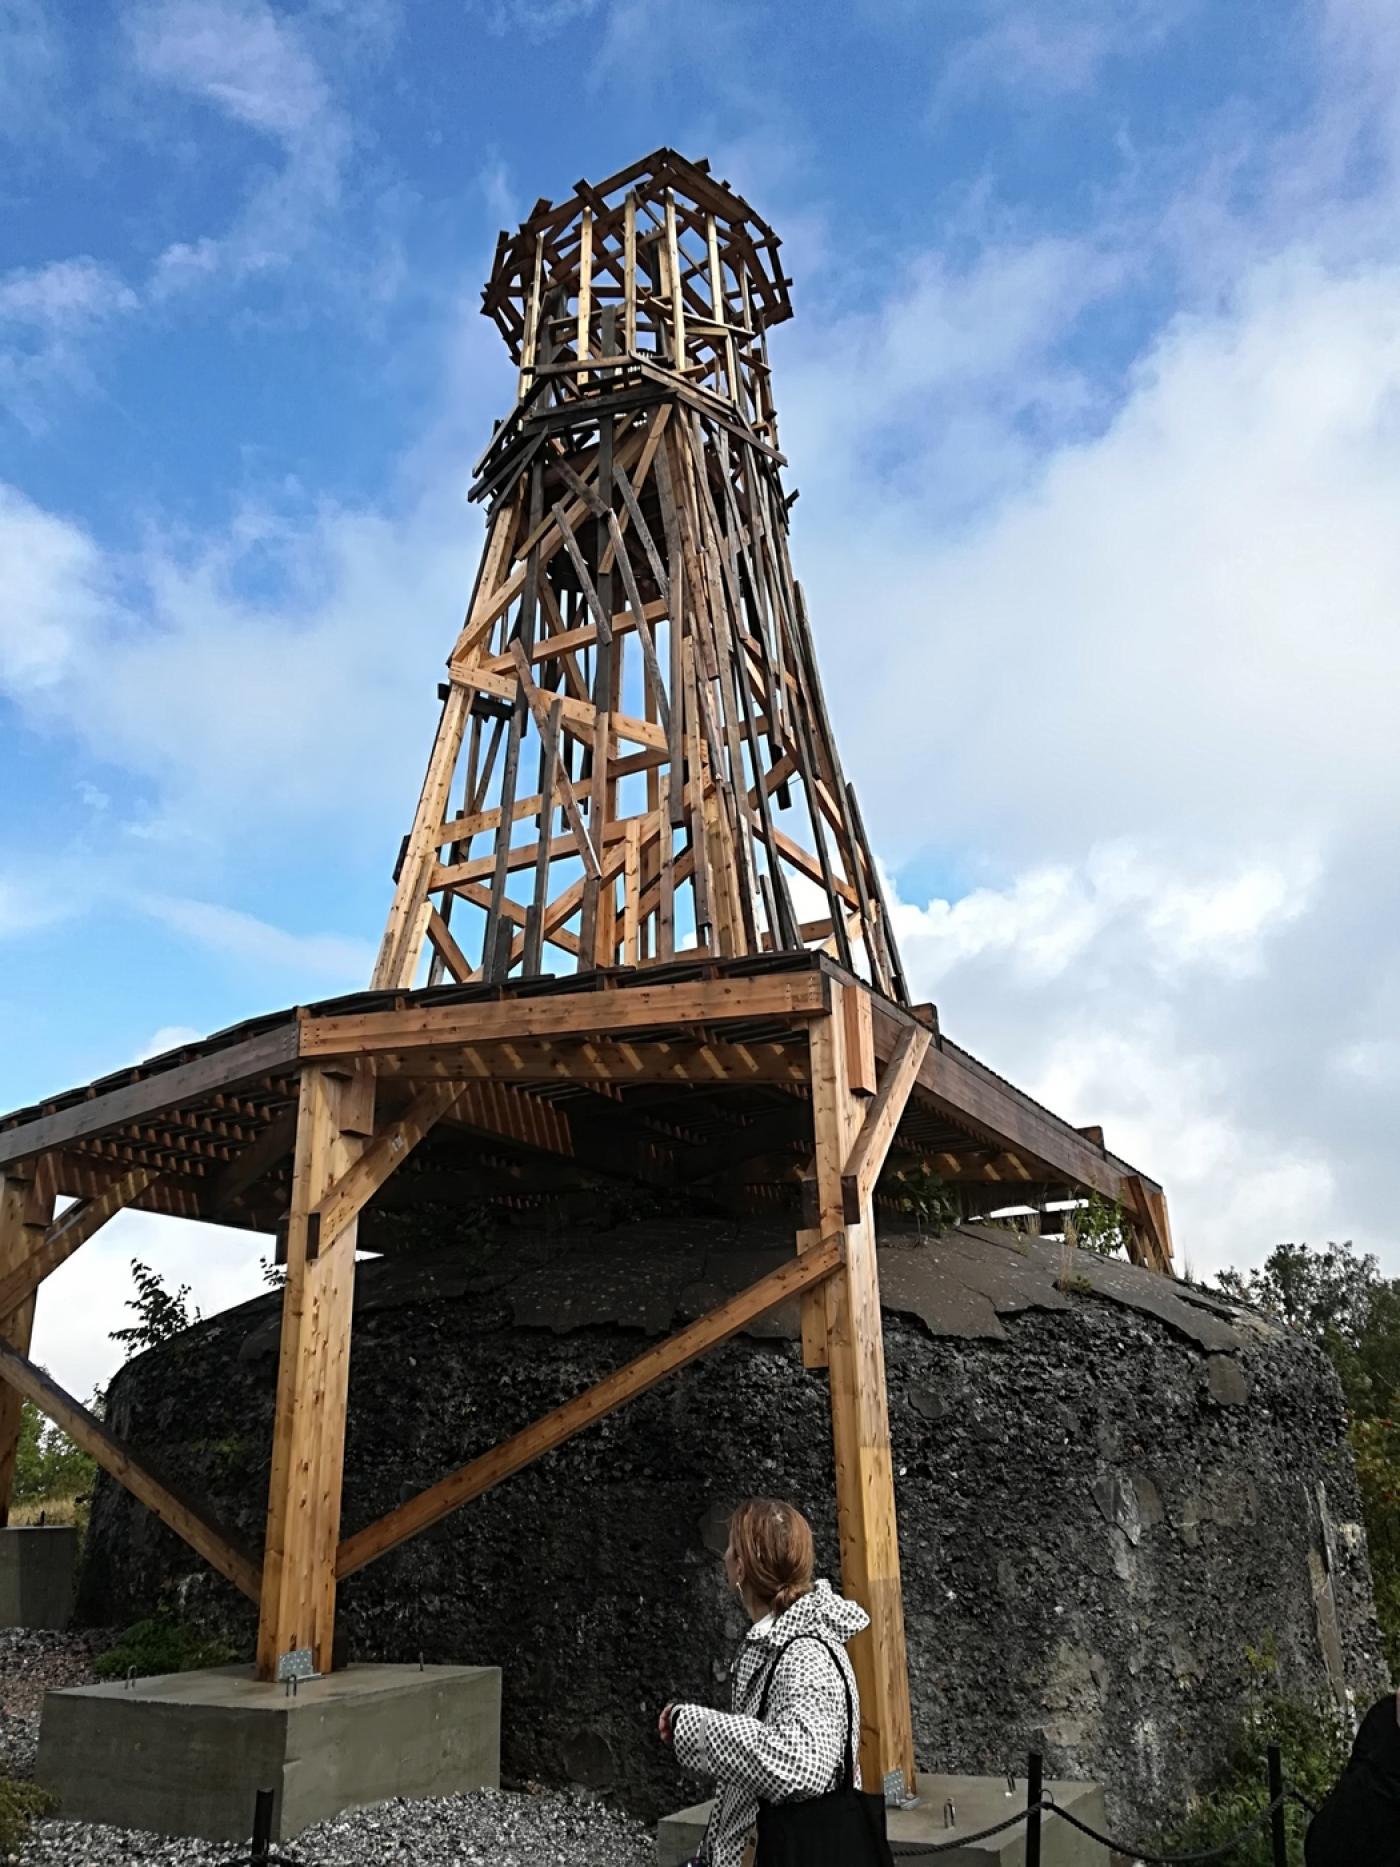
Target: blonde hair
{"x":773,"y":1544}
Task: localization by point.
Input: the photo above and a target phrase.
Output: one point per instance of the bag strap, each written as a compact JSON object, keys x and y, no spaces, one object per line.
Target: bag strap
{"x":848,"y":1777}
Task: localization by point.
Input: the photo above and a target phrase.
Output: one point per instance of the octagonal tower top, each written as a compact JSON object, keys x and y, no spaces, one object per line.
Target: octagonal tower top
{"x":661,"y":264}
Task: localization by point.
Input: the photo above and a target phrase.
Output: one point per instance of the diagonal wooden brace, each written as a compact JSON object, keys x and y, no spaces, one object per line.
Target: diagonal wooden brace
{"x":202,"y":1532}
{"x":331,"y":1217}
{"x":882,"y":1118}
{"x":612,"y":1392}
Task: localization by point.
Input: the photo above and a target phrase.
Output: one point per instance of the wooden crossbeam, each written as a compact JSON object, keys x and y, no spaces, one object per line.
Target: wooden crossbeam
{"x":604,"y":1061}
{"x":362,"y":1179}
{"x":708,"y":1001}
{"x":71,"y":1229}
{"x":255,"y":1162}
{"x":204,"y":1534}
{"x":605,"y":1397}
{"x":882,"y":1117}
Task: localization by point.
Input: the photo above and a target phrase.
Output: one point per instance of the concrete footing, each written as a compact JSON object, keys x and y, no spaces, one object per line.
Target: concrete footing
{"x":977,"y":1802}
{"x":38,"y":1567}
{"x":186,"y":1753}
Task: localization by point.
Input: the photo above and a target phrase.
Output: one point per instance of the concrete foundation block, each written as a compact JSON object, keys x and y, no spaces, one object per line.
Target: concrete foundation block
{"x":186,"y":1753}
{"x":38,"y":1567}
{"x":978,"y":1802}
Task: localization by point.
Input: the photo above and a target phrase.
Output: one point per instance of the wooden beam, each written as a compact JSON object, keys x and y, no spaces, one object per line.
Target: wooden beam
{"x":204,"y":1534}
{"x":882,"y":1116}
{"x":605,"y":1397}
{"x":865,"y":1507}
{"x":73,"y":1228}
{"x":601,"y":1060}
{"x":255,"y":1162}
{"x":266,"y":1054}
{"x":362,"y":1179}
{"x":335,"y":1119}
{"x":710,"y":1001}
{"x":26,"y":1209}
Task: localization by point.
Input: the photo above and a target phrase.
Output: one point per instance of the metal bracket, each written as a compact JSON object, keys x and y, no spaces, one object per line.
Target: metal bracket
{"x":296,"y":1663}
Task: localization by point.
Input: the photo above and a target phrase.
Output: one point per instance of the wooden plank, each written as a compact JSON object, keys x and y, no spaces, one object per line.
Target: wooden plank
{"x":605,"y":1397}
{"x":362,"y":1179}
{"x":603,"y":1061}
{"x":335,"y":1118}
{"x":445,"y":946}
{"x":882,"y":1117}
{"x":26,"y":1211}
{"x":634,"y":1007}
{"x":860,"y":1044}
{"x":266,"y":1054}
{"x":583,"y":341}
{"x":204,"y":1534}
{"x":629,"y":261}
{"x":546,"y":717}
{"x":865,"y":1507}
{"x":253,"y":1163}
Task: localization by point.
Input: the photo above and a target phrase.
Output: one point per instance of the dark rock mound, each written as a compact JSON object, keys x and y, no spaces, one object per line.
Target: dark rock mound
{"x":1113,"y":1490}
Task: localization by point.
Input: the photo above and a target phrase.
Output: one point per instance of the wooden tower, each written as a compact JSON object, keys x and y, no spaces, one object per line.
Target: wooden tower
{"x":635,"y":759}
{"x":634,"y":780}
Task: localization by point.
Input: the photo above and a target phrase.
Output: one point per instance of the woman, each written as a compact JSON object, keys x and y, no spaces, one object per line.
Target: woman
{"x":795,"y":1716}
{"x":1359,"y":1823}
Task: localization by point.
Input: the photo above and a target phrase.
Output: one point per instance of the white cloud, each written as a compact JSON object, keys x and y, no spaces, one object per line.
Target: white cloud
{"x":56,"y":592}
{"x":85,"y":1298}
{"x":1057,"y":51}
{"x":329,"y":958}
{"x":47,"y":315}
{"x":168,"y":1037}
{"x":257,"y":69}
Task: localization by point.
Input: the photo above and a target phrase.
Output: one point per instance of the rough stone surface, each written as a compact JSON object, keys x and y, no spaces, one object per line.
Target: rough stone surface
{"x":1098,"y":1518}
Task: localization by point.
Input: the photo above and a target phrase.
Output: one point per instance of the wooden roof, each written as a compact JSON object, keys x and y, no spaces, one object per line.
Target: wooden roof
{"x":690,"y":1075}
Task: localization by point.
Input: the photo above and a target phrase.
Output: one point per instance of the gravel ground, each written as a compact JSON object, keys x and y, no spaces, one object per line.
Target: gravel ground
{"x":30,"y":1662}
{"x":493,"y":1826}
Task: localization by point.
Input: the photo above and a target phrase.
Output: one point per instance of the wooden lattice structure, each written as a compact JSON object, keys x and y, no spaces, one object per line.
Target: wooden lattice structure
{"x":635,"y":712}
{"x":711,"y":1041}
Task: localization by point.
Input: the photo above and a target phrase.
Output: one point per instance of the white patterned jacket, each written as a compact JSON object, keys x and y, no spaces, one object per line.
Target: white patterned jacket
{"x":797,"y":1751}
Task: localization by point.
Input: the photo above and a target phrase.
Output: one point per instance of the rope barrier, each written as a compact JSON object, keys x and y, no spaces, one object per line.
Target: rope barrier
{"x":1171,"y":1860}
{"x":1049,"y":1806}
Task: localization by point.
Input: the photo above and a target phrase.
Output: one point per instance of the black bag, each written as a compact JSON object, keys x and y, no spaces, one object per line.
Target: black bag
{"x":1359,"y":1823}
{"x":844,"y":1828}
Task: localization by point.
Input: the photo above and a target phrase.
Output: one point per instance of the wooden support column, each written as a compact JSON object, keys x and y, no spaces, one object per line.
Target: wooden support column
{"x":855,"y":1349}
{"x":335,"y":1121}
{"x":26,"y":1209}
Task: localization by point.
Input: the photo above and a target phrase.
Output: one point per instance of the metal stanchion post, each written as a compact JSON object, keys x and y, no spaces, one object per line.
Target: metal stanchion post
{"x":1277,"y":1825}
{"x":262,"y":1828}
{"x":1035,"y":1765}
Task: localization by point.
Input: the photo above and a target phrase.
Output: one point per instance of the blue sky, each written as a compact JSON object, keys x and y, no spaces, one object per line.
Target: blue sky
{"x":1093,"y":397}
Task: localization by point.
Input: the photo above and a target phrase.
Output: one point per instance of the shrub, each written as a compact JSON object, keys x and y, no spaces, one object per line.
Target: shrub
{"x":1315,"y":1743}
{"x":20,"y":1804}
{"x":162,"y":1644}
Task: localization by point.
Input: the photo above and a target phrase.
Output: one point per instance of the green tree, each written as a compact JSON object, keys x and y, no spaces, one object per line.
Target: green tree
{"x":1337,"y":1298}
{"x":48,"y":1466}
{"x":161,"y":1314}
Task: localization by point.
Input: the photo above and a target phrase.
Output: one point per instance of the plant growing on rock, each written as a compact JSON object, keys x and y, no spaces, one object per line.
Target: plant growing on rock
{"x":1339,"y":1299}
{"x":161,"y":1314}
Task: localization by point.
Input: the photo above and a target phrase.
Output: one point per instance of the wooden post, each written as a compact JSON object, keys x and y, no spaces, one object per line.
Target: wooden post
{"x":26,"y":1207}
{"x":859,"y":1414}
{"x":335,"y":1119}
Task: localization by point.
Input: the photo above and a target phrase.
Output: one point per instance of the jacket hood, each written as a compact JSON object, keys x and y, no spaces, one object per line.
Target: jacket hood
{"x":820,"y":1611}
